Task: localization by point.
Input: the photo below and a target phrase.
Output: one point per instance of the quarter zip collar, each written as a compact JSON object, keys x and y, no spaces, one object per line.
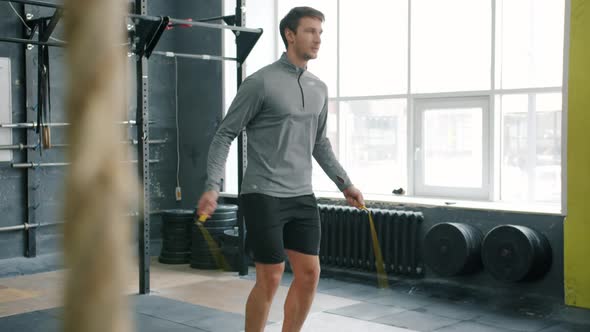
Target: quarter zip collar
{"x":298,"y":71}
{"x":285,"y":61}
{"x":301,"y":89}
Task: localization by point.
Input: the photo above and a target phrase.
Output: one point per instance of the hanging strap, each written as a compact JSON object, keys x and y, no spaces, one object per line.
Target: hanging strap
{"x":44,"y":99}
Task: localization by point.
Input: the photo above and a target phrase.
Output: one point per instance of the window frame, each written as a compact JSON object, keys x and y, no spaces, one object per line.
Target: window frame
{"x":423,"y":190}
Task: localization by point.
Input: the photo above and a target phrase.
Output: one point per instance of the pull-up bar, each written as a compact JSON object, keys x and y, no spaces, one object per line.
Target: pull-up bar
{"x":29,"y":41}
{"x":149,"y":29}
{"x":177,"y":21}
{"x":173,"y":21}
{"x":36,"y":3}
{"x":194,"y":56}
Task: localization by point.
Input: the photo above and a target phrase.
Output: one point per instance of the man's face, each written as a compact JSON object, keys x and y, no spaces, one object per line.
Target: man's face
{"x":307,"y":40}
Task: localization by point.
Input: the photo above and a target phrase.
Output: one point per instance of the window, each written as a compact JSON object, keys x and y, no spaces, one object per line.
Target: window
{"x":320,"y":181}
{"x":531,"y":149}
{"x":373,"y":48}
{"x":529,"y":43}
{"x":374,"y":143}
{"x":451,"y":147}
{"x":451,"y":99}
{"x":451,"y":45}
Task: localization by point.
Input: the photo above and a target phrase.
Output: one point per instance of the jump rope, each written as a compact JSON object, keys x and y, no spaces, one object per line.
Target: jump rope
{"x":221,"y":262}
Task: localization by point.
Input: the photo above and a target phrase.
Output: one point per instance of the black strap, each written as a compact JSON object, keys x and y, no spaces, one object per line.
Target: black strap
{"x":44,"y":91}
{"x":47,"y":101}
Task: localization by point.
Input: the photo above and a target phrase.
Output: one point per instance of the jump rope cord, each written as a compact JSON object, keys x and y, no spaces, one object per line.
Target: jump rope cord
{"x":381,"y":275}
{"x":213,"y":247}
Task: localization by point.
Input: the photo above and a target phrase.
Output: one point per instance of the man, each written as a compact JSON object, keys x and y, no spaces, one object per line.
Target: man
{"x":284,"y":109}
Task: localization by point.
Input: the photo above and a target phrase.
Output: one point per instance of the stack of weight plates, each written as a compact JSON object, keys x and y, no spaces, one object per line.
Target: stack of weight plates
{"x":176,"y":236}
{"x":202,"y":253}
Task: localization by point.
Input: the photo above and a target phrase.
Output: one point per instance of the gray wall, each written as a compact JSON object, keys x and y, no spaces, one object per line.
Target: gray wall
{"x":34,"y":195}
{"x":551,"y":226}
{"x":12,"y":194}
{"x":199,"y":110}
{"x":200,"y":104}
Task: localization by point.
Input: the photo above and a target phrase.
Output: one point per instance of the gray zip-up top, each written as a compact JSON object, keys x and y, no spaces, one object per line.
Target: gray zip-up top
{"x":284,"y":110}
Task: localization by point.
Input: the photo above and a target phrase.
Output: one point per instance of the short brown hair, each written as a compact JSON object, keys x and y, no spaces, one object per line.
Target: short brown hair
{"x":291,"y":20}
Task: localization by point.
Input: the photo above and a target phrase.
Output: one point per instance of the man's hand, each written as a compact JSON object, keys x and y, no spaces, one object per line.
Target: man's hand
{"x":354,"y":197}
{"x":207,"y":203}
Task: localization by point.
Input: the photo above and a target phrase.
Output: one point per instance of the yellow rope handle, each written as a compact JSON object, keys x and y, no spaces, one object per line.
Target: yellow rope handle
{"x":381,"y":275}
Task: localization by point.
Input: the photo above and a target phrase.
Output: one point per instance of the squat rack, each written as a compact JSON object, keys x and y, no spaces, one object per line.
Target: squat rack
{"x":144,"y":34}
{"x":149,"y":29}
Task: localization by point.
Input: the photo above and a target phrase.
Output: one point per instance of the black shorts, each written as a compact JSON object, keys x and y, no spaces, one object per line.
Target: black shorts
{"x":274,"y":224}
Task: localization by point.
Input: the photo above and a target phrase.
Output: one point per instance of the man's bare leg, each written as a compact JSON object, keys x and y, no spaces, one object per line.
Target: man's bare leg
{"x":306,"y":274}
{"x":268,"y":279}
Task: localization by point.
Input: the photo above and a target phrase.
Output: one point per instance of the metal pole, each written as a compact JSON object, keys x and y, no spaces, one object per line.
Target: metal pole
{"x":143,"y":153}
{"x":22,"y":146}
{"x":33,"y":181}
{"x":176,"y":21}
{"x":14,"y":228}
{"x":36,"y":165}
{"x":195,"y":56}
{"x":17,"y":147}
{"x":216,"y":18}
{"x":32,"y":42}
{"x":27,"y":226}
{"x":33,"y":125}
{"x":35,"y":3}
{"x":242,"y":149}
{"x":143,"y":16}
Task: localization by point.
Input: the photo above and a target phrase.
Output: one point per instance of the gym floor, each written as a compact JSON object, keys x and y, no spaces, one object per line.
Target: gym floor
{"x":185,"y":299}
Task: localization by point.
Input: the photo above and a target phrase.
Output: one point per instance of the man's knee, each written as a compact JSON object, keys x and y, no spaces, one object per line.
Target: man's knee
{"x":309,"y":275}
{"x":269,"y":277}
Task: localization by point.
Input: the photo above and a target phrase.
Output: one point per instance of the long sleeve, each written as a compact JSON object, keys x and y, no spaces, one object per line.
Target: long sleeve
{"x":324,"y":154}
{"x":245,"y":106}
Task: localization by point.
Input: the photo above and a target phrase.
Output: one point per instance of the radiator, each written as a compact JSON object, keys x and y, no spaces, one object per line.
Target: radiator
{"x":346,"y":239}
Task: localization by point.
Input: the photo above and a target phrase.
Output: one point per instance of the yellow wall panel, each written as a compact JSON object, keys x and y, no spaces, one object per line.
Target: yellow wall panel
{"x":577,"y":223}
